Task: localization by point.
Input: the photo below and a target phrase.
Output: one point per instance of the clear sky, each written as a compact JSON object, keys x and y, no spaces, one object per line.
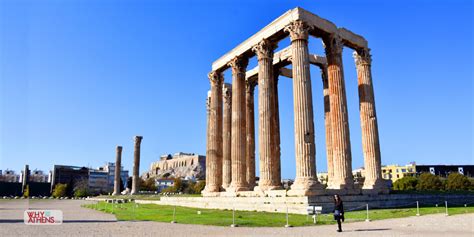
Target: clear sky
{"x":79,"y":77}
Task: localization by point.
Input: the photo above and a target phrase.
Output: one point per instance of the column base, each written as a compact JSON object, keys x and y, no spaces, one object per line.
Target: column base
{"x":210,"y":194}
{"x":263,"y":188}
{"x":377,"y":187}
{"x":212,"y":189}
{"x":306,"y":187}
{"x":343,"y":189}
{"x":235,"y":189}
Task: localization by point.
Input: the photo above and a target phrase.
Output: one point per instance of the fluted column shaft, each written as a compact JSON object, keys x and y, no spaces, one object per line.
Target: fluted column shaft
{"x":339,"y":119}
{"x":118,"y":165}
{"x":327,"y":124}
{"x":214,"y":146}
{"x":136,"y":164}
{"x":276,"y":117}
{"x":227,"y":129}
{"x":306,"y":180}
{"x":239,"y":168}
{"x":368,"y":119}
{"x":250,"y":149}
{"x":269,"y":177}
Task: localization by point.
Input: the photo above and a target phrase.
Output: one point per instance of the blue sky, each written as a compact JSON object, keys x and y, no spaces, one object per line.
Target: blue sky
{"x":78,"y":78}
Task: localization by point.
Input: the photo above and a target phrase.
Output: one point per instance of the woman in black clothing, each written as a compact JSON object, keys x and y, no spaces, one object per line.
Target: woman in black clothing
{"x":338,"y":211}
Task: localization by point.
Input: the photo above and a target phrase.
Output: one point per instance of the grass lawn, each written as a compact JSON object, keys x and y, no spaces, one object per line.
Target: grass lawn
{"x":153,"y":212}
{"x":144,"y":196}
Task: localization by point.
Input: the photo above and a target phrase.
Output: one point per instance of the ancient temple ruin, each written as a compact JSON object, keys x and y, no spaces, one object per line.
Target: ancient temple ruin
{"x":230,"y":162}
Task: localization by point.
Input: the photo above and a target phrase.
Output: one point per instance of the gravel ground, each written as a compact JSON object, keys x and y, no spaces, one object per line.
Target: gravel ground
{"x":80,"y":221}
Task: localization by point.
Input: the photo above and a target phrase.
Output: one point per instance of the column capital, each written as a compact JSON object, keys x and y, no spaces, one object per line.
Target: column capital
{"x":238,"y":64}
{"x":362,"y":57}
{"x":333,"y":45}
{"x":138,"y":139}
{"x":119,"y":148}
{"x":215,"y":78}
{"x":264,"y":49}
{"x":250,"y":86}
{"x":298,"y":30}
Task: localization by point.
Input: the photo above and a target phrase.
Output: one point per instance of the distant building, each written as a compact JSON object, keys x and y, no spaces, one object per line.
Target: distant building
{"x":38,"y":176}
{"x":445,"y":170}
{"x":9,"y":176}
{"x":109,"y":167}
{"x":164,"y":183}
{"x":66,"y":174}
{"x":188,"y":166}
{"x":396,"y":172}
{"x":99,"y":181}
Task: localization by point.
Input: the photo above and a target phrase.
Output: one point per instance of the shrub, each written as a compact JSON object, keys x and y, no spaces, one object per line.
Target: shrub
{"x":429,"y":182}
{"x":405,"y":183}
{"x":60,"y":190}
{"x":457,"y":181}
{"x":26,"y":192}
{"x":199,"y":186}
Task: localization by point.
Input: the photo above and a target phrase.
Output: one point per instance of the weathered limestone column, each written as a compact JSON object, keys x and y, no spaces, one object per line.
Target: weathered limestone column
{"x":306,"y":182}
{"x":118,"y":166}
{"x":368,"y":119}
{"x":327,"y":125}
{"x":269,"y":166}
{"x":214,"y":146}
{"x":239,"y":168}
{"x":250,"y":149}
{"x":226,"y":136}
{"x":276,"y":117}
{"x":136,"y":165}
{"x":339,"y":119}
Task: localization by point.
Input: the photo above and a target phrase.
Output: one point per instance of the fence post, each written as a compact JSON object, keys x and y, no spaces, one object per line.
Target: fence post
{"x":174,"y":215}
{"x":446,"y":203}
{"x":287,"y":221}
{"x":367,"y":208}
{"x":233,"y":218}
{"x":417,"y":209}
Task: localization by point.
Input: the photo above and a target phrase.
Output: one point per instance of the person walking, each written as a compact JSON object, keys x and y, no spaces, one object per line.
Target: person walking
{"x":338,"y":212}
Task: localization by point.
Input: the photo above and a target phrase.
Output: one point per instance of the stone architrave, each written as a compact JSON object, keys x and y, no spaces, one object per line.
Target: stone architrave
{"x":269,"y":166}
{"x":327,"y":125}
{"x":306,"y":182}
{"x":368,"y":119}
{"x":250,"y":117}
{"x":239,"y":168}
{"x":226,"y":136}
{"x":341,"y":145}
{"x":214,"y":146}
{"x":118,"y":171}
{"x":136,"y":165}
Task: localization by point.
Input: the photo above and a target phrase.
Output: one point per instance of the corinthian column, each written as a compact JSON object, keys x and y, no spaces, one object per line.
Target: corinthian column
{"x":118,"y":166}
{"x":269,"y":166}
{"x":276,"y":117}
{"x":368,"y":120}
{"x":226,"y":161}
{"x":339,"y":120}
{"x":250,"y":149}
{"x":239,"y":168}
{"x":214,"y":146}
{"x":327,"y":125}
{"x":306,"y":182}
{"x":136,"y":164}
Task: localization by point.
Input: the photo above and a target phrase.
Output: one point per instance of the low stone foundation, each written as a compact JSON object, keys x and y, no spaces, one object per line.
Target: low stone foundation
{"x":298,"y":205}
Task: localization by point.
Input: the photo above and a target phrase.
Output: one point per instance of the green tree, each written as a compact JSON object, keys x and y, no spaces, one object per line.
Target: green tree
{"x":457,"y":181}
{"x":26,"y":192}
{"x":148,"y":185}
{"x":405,"y":183}
{"x":199,"y":186}
{"x":428,"y":182}
{"x":81,"y":188}
{"x":60,"y":190}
